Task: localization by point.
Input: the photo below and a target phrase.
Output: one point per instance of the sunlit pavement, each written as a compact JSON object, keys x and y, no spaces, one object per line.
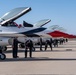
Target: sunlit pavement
{"x":60,"y":61}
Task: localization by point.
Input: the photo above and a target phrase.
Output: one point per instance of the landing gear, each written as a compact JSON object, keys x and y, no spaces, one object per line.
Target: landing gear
{"x":4,"y":48}
{"x":2,"y":56}
{"x":33,"y":49}
{"x":22,"y":45}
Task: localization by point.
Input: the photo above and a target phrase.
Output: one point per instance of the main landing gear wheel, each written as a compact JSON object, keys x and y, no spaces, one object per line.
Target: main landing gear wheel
{"x":22,"y":45}
{"x":4,"y":48}
{"x":33,"y":49}
{"x":2,"y":56}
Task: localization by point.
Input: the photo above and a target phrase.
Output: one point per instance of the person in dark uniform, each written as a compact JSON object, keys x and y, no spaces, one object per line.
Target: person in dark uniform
{"x":28,"y":45}
{"x":60,"y":41}
{"x":63,"y":40}
{"x":55,"y":42}
{"x":51,"y":42}
{"x":40,"y":44}
{"x":26,"y":48}
{"x":66,"y":40}
{"x":48,"y":42}
{"x":15,"y":47}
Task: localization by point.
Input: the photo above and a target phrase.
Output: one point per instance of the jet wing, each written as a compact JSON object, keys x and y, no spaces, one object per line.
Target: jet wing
{"x":14,"y":14}
{"x":42,"y":22}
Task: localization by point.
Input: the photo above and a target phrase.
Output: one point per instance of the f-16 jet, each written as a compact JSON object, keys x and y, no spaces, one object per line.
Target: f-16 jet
{"x":10,"y":30}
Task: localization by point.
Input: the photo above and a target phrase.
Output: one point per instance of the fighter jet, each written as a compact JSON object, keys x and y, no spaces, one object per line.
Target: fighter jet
{"x":9,"y":29}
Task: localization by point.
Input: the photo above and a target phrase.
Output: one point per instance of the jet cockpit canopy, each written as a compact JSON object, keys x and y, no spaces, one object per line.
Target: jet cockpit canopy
{"x":13,"y":15}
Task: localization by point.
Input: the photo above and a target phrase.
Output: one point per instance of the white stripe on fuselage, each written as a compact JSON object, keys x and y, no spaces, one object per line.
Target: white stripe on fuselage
{"x":13,"y":31}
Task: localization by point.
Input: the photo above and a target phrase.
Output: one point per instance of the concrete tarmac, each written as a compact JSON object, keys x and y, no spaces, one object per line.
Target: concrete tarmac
{"x":60,"y":61}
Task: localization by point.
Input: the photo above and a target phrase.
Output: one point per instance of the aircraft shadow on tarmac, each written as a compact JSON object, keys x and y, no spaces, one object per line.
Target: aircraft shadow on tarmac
{"x":37,"y":59}
{"x":65,"y":50}
{"x":66,"y":47}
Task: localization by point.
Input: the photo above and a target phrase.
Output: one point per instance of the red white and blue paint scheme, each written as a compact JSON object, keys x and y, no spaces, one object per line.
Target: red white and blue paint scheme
{"x":9,"y":29}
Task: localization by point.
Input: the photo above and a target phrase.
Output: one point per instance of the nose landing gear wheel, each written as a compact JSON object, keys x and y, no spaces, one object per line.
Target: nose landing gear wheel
{"x":2,"y":56}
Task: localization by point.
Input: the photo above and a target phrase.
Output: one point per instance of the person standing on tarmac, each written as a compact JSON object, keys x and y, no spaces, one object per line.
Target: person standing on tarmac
{"x":48,"y":42}
{"x":15,"y":47}
{"x":40,"y":44}
{"x":55,"y":42}
{"x":66,"y":40}
{"x":28,"y":45}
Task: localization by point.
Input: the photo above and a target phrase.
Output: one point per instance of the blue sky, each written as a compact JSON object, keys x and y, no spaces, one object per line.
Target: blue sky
{"x":61,"y":12}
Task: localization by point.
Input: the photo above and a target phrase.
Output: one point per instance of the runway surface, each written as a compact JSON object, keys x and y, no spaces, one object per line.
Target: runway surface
{"x":60,"y":61}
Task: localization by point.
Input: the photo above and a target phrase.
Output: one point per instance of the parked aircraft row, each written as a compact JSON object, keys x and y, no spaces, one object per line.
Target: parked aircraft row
{"x":9,"y":29}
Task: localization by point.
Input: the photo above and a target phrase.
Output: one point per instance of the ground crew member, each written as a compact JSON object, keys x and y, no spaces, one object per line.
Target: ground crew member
{"x":26,"y":48}
{"x":66,"y":40}
{"x":40,"y":44}
{"x":60,"y":41}
{"x":51,"y":42}
{"x":48,"y":42}
{"x":28,"y":45}
{"x":55,"y":42}
{"x":15,"y":47}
